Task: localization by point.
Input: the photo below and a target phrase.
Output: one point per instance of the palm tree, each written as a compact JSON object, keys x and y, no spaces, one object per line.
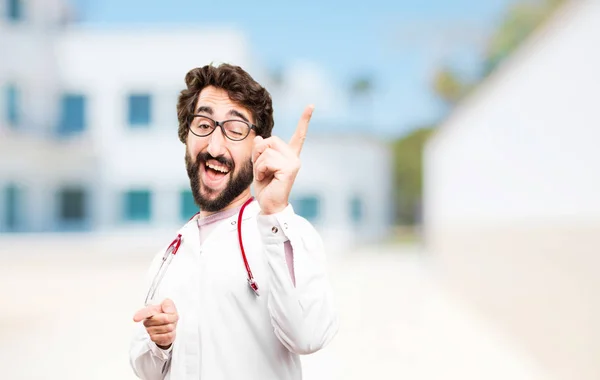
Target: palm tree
{"x":361,"y":97}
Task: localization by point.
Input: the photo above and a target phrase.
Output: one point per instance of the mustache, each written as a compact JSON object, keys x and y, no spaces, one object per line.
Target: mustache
{"x":205,"y":156}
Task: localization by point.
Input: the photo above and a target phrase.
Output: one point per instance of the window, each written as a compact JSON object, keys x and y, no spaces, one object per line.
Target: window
{"x":14,"y":10}
{"x":137,"y":205}
{"x":72,"y":206}
{"x":307,"y":207}
{"x":356,"y":209}
{"x":139,"y":110}
{"x":12,"y":105}
{"x":187,"y":206}
{"x":73,"y":116}
{"x":12,"y":205}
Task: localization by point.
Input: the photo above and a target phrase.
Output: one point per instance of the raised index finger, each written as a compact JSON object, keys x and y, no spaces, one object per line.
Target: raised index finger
{"x":300,"y":135}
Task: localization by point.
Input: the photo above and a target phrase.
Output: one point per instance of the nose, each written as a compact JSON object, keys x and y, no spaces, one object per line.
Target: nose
{"x":216,"y":143}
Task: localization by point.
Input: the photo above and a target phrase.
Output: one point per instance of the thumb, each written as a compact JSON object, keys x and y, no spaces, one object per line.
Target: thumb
{"x":168,"y":306}
{"x":255,"y":153}
{"x":146,"y":313}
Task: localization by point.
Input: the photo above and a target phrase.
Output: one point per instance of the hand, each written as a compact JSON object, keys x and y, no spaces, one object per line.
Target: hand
{"x":276,"y":165}
{"x":160,"y":322}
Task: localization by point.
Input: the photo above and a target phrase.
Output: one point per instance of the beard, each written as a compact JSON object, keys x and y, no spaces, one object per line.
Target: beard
{"x":236,"y":184}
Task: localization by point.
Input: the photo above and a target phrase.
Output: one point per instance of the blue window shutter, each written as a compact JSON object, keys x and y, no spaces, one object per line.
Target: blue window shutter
{"x":73,"y":209}
{"x":307,"y":207}
{"x":12,"y":206}
{"x":12,"y":105}
{"x":73,"y":114}
{"x":140,"y":107}
{"x":187,"y":206}
{"x":356,"y":209}
{"x":15,"y":10}
{"x":72,"y":205}
{"x":138,"y":205}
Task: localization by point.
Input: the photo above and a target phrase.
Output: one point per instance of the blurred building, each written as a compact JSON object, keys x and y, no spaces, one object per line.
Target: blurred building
{"x":512,"y":205}
{"x":88,"y":127}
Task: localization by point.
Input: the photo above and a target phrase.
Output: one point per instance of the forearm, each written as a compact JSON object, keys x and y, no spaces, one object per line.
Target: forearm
{"x":149,"y":362}
{"x":303,"y":314}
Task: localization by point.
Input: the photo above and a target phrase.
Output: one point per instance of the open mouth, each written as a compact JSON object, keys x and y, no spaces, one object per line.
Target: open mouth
{"x":215,"y":173}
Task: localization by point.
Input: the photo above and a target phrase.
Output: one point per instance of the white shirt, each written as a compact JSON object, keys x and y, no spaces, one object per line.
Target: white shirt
{"x":225,"y":331}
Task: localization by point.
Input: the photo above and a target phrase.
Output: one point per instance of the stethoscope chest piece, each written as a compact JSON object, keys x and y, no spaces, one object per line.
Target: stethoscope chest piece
{"x":254,"y":286}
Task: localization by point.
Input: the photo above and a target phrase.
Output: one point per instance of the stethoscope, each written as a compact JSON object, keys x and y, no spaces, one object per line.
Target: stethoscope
{"x":172,"y":249}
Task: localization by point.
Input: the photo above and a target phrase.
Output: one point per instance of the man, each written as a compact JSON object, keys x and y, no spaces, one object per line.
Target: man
{"x":243,"y":289}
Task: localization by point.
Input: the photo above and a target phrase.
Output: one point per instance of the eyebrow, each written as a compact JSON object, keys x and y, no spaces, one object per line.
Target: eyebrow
{"x":209,"y":110}
{"x":238,"y":114}
{"x":204,"y":109}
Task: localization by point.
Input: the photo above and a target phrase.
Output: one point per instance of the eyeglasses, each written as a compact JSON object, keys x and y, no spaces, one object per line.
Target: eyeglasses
{"x":235,"y":130}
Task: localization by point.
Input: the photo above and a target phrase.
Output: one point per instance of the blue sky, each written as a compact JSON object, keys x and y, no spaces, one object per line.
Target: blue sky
{"x":397,"y":43}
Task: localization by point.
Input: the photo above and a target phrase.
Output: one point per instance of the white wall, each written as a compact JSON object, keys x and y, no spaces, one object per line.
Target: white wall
{"x":108,"y":65}
{"x":38,"y":14}
{"x":110,"y":157}
{"x":526,"y":146}
{"x":339,"y":168}
{"x":28,"y":158}
{"x":511,"y":196}
{"x":31,"y":65}
{"x":155,"y":61}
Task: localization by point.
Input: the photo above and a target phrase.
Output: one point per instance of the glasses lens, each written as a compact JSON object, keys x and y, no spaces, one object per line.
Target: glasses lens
{"x":202,"y":126}
{"x":236,"y":130}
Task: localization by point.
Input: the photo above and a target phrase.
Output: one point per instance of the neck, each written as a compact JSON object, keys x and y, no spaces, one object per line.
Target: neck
{"x":237,"y":202}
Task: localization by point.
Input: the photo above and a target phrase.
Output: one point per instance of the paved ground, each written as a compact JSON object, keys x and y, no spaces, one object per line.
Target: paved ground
{"x":66,"y":308}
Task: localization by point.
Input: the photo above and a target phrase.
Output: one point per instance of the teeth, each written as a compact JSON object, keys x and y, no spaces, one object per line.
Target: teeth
{"x":221,"y":169}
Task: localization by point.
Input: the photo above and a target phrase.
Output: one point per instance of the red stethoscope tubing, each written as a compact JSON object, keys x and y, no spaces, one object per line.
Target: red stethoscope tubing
{"x":168,"y":256}
{"x":251,"y":280}
{"x":174,"y":247}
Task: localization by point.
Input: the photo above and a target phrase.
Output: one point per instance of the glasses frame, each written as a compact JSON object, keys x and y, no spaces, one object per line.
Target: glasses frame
{"x":220,"y":125}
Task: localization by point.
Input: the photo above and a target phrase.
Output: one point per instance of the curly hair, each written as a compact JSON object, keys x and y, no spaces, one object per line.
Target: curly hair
{"x":240,"y":87}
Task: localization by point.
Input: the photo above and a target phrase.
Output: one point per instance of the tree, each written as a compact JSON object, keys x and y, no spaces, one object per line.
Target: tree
{"x":448,"y":86}
{"x":361,"y":86}
{"x":408,"y":174}
{"x":520,"y":20}
{"x":361,"y":95}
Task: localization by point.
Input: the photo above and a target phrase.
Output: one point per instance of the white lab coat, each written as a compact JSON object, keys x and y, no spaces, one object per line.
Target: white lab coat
{"x":226,"y":332}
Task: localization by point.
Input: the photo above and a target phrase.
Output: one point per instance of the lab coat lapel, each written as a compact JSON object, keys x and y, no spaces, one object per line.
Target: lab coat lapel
{"x":185,"y":363}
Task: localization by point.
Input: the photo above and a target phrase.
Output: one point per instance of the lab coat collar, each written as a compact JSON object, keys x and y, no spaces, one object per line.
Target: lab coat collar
{"x":249,"y":212}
